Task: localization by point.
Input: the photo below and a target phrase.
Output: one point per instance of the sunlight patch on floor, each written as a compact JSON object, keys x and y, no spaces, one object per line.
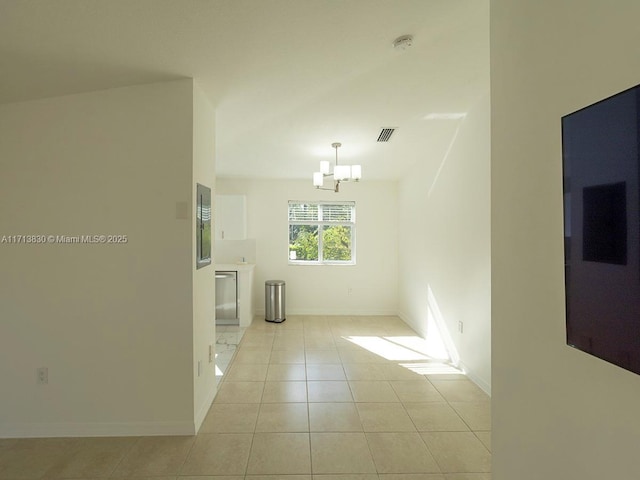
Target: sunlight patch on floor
{"x":387,"y":349}
{"x":432,"y":347}
{"x":432,"y":368}
{"x":411,"y":352}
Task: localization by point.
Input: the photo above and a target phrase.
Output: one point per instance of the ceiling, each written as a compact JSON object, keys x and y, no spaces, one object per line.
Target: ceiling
{"x":287,"y":77}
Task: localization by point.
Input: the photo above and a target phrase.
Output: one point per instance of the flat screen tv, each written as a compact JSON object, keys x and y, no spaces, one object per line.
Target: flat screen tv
{"x":601,"y":172}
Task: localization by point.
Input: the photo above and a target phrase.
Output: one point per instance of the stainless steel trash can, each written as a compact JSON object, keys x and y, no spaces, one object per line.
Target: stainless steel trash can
{"x":274,"y":299}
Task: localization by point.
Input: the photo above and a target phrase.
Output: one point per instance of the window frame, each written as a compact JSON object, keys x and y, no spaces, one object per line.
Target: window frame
{"x":320,"y":223}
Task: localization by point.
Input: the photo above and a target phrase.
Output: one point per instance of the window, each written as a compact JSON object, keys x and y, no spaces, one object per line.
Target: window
{"x":322,"y":233}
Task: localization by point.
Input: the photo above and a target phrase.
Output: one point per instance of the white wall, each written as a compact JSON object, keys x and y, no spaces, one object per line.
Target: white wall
{"x":203,"y":278}
{"x":558,"y":413}
{"x":323,"y":290}
{"x":112,"y":322}
{"x":444,"y":246}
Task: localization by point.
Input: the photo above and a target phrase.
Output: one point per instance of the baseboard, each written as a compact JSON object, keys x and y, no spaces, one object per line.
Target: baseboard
{"x":405,"y":318}
{"x":479,"y":381}
{"x":124,"y":429}
{"x":204,"y":409}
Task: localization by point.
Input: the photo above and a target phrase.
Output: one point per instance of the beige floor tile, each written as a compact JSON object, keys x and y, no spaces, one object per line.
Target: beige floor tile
{"x":199,"y":477}
{"x":231,"y":418}
{"x":286,"y":373}
{"x":320,"y":342}
{"x":151,"y":456}
{"x":365,"y":371}
{"x":311,"y":321}
{"x":247,"y":372}
{"x":347,"y":476}
{"x":280,"y":392}
{"x":261,"y":327}
{"x":351,"y":355}
{"x":317,"y":330}
{"x":257,"y":341}
{"x":273,"y":477}
{"x":467,"y":476}
{"x":95,"y":457}
{"x":485,"y":438}
{"x":334,"y":417}
{"x":295,"y":344}
{"x":446,"y":376}
{"x":283,"y":417}
{"x":325,"y":372}
{"x":315,"y":356}
{"x":293,"y":322}
{"x":34,"y":457}
{"x":476,"y":415}
{"x":287,"y":356}
{"x":401,"y":453}
{"x":329,"y":391}
{"x":384,"y":417}
{"x":279,"y":453}
{"x":460,"y":391}
{"x":435,"y":417}
{"x":390,"y":396}
{"x":373,"y":391}
{"x":252,"y":355}
{"x":416,"y":391}
{"x":342,"y":341}
{"x":239,"y":392}
{"x":340,"y":453}
{"x":289,"y":333}
{"x":398,"y":372}
{"x":164,"y":477}
{"x":411,"y":476}
{"x":6,"y":443}
{"x":458,"y":452}
{"x":218,"y":454}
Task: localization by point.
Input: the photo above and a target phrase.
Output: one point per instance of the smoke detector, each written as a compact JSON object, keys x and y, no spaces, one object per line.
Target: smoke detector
{"x":403,"y":42}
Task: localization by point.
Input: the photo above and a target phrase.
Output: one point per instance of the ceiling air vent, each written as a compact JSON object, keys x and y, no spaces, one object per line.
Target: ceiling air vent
{"x":385,"y":134}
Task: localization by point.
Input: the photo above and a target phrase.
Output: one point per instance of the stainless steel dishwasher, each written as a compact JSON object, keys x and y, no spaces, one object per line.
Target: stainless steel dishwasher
{"x":227,"y":298}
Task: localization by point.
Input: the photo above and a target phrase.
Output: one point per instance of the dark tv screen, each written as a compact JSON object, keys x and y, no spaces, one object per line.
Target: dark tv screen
{"x":601,"y":178}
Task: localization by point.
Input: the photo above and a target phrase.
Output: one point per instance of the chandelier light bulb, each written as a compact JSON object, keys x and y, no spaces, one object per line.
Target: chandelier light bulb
{"x":340,"y":173}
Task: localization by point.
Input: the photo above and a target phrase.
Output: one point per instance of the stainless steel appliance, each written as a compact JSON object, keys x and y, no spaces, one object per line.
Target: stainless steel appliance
{"x":226,"y":298}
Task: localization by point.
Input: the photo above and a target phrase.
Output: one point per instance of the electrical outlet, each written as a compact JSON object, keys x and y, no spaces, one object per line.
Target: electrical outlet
{"x":460,"y":327}
{"x":210,"y":353}
{"x":349,"y":291}
{"x":42,"y":375}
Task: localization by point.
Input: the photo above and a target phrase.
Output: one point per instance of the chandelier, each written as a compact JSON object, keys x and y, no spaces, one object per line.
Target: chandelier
{"x":340,"y":173}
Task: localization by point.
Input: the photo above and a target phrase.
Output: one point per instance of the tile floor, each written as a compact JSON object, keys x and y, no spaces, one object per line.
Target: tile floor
{"x":227,"y":339}
{"x":313,"y":398}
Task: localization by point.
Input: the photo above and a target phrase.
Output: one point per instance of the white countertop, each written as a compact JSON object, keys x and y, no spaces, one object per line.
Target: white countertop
{"x":234,"y":267}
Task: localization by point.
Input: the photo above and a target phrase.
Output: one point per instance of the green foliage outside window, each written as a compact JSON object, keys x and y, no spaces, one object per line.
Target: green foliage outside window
{"x":303,"y":240}
{"x":336,"y":243}
{"x":321,"y":232}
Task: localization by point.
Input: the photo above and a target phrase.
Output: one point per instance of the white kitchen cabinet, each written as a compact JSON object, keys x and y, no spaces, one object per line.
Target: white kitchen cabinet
{"x":230,"y":217}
